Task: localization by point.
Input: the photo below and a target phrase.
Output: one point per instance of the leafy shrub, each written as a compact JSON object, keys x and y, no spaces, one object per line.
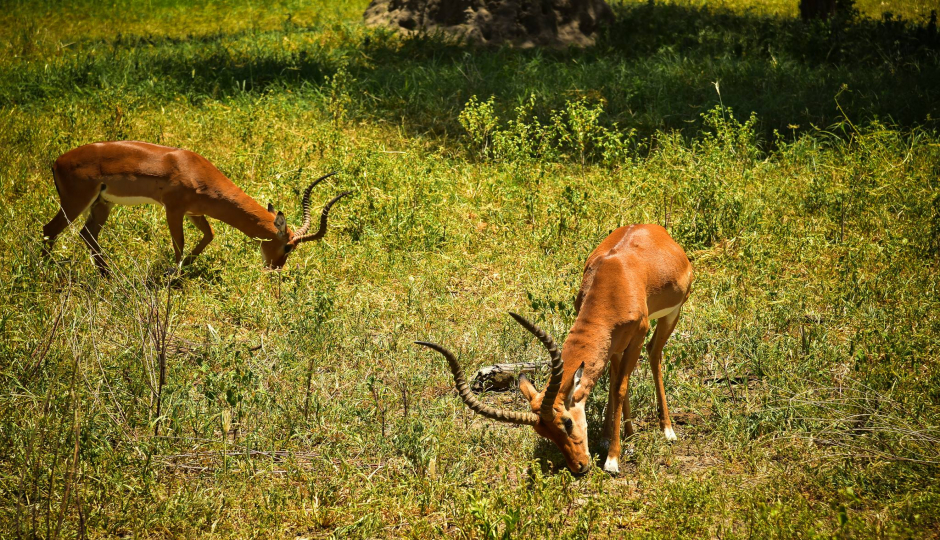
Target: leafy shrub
{"x":576,"y":132}
{"x":710,"y":200}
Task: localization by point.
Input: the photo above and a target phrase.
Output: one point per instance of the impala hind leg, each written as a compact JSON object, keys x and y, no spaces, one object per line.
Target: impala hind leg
{"x":664,"y":328}
{"x":96,"y":220}
{"x":52,"y":230}
{"x":621,"y":401}
{"x":71,"y":207}
{"x":202,"y":224}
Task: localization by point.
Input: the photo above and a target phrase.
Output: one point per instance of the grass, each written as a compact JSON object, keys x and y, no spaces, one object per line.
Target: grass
{"x":805,"y":368}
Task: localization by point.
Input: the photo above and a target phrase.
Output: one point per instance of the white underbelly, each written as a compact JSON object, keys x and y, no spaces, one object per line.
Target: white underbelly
{"x":128,"y":201}
{"x":663,"y":312}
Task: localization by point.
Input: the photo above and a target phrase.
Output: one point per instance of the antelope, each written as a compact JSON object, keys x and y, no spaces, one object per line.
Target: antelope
{"x":94,"y":177}
{"x":636,"y":275}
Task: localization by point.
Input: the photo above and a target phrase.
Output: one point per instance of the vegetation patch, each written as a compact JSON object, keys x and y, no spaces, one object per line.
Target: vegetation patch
{"x":805,"y":185}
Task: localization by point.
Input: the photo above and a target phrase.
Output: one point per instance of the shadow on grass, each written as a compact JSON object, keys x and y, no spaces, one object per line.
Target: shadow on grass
{"x":655,"y":68}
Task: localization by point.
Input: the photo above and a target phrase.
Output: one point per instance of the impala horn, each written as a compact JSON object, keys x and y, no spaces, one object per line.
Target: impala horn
{"x":547,"y":409}
{"x":475,"y":405}
{"x":301,"y":234}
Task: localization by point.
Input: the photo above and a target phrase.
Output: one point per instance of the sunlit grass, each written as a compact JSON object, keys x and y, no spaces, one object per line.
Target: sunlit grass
{"x":918,"y":10}
{"x":805,"y":365}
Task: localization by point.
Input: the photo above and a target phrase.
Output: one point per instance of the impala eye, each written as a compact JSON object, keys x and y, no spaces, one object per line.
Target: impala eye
{"x":569,"y":425}
{"x":288,"y":248}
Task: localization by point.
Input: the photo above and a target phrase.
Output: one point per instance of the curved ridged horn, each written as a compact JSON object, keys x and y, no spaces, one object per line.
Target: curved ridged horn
{"x":322,"y":230}
{"x":547,"y":409}
{"x":301,"y":234}
{"x":305,"y":203}
{"x":467,"y":396}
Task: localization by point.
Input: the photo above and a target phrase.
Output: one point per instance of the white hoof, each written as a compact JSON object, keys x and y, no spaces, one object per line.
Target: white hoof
{"x":612,"y":466}
{"x":670,"y":434}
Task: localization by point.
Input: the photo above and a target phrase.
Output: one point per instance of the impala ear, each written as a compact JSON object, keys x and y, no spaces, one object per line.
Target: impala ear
{"x":526,"y":387}
{"x":280,"y":223}
{"x":270,"y":208}
{"x":575,"y":384}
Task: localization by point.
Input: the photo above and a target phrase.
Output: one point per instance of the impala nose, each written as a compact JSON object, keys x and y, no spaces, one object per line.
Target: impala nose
{"x":583,"y":467}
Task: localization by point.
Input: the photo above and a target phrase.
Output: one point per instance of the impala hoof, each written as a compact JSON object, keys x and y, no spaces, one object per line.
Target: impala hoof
{"x":612,"y":466}
{"x":670,"y":434}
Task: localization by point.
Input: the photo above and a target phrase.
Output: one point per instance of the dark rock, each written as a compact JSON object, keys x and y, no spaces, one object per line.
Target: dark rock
{"x":521,"y":23}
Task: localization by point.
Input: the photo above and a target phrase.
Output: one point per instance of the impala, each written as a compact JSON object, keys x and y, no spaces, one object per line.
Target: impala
{"x":636,"y":275}
{"x":97,"y":176}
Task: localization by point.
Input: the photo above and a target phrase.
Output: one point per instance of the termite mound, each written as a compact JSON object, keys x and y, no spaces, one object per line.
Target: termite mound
{"x":519,"y":23}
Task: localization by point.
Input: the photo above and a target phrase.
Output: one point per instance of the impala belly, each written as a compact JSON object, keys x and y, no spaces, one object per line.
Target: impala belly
{"x":663,"y":312}
{"x":127,"y":200}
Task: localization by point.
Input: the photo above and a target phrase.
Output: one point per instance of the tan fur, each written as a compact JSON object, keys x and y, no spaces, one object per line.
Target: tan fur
{"x":635,"y":272}
{"x":99,"y":175}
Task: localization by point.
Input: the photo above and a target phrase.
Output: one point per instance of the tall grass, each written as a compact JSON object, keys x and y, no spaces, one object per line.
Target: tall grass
{"x":804,"y":370}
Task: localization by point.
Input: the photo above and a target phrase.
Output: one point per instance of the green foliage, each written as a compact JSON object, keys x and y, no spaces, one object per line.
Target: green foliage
{"x":493,"y":523}
{"x":575,"y":132}
{"x":711,"y":202}
{"x":804,"y":367}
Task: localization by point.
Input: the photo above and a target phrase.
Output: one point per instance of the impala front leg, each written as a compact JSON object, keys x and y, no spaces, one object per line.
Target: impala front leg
{"x":202,"y":224}
{"x":621,"y":399}
{"x":174,"y":220}
{"x":613,"y":374}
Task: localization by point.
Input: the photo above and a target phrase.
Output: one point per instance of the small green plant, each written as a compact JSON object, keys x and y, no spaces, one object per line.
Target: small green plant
{"x":417,"y":445}
{"x":934,"y":231}
{"x":493,"y":521}
{"x":479,"y":120}
{"x":574,"y":133}
{"x":340,"y":99}
{"x":709,"y":203}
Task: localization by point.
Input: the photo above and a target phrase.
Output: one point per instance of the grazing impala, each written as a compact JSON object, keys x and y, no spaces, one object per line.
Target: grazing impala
{"x":636,"y":275}
{"x":98,"y":176}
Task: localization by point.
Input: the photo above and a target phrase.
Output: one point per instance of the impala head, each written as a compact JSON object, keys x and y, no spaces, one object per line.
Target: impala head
{"x":276,"y":250}
{"x":557,"y":412}
{"x":566,"y":426}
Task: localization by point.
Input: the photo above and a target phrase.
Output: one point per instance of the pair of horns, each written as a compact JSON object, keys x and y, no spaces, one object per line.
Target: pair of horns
{"x":301,"y":234}
{"x":546,"y":410}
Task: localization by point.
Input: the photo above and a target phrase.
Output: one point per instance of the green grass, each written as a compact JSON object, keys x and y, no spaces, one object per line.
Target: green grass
{"x":805,"y":365}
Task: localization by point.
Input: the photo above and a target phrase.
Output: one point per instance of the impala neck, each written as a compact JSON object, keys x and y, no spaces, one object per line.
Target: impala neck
{"x":586,"y":344}
{"x":245,"y":214}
